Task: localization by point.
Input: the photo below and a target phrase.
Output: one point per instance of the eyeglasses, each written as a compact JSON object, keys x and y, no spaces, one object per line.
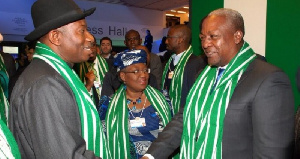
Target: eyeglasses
{"x":169,"y":37}
{"x":139,"y":71}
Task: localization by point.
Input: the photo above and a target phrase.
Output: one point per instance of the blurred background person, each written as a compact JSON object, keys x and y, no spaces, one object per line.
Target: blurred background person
{"x":92,"y":73}
{"x":148,"y":40}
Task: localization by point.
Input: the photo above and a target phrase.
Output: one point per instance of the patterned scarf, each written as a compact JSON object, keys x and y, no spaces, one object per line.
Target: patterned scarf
{"x":9,"y":147}
{"x":90,"y":123}
{"x":101,"y":65}
{"x":176,"y":82}
{"x":4,"y":105}
{"x":117,"y":120}
{"x":206,"y":109}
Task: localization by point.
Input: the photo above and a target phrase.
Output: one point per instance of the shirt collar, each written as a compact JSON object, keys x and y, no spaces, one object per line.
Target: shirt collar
{"x":176,"y":58}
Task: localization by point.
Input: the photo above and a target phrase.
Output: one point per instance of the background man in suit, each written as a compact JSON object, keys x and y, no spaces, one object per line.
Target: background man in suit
{"x":247,"y":113}
{"x":92,"y":72}
{"x":106,"y":48}
{"x":182,"y":61}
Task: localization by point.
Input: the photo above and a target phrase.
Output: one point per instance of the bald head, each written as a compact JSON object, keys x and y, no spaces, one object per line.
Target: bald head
{"x":183,"y":31}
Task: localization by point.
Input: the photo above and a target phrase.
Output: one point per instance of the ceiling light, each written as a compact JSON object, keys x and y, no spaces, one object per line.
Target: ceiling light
{"x":173,"y":10}
{"x":181,"y":12}
{"x":186,"y":7}
{"x":169,"y":14}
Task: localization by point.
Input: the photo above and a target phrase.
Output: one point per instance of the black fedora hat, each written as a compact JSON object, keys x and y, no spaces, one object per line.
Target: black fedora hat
{"x":51,"y":14}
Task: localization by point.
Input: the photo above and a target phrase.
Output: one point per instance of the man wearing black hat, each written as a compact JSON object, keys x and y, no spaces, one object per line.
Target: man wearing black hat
{"x":51,"y":112}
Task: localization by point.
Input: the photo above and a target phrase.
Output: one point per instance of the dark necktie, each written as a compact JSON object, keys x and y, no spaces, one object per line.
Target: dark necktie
{"x":220,"y":73}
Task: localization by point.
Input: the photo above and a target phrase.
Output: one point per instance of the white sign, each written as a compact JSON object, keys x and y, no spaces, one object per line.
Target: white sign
{"x":117,"y":31}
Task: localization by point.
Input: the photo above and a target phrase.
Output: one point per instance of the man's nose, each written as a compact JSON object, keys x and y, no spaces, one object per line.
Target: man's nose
{"x":206,"y":42}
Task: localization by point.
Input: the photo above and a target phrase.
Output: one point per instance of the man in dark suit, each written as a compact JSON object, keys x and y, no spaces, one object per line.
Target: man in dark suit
{"x":247,"y":111}
{"x":182,"y":61}
{"x":51,"y":114}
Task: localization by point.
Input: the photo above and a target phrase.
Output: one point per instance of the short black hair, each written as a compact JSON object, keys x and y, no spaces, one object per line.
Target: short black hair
{"x":105,"y":38}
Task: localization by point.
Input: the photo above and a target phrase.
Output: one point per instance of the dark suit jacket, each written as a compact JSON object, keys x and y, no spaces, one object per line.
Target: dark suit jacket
{"x":259,"y":121}
{"x":44,"y":116}
{"x":9,"y":63}
{"x":192,"y":67}
{"x":156,"y":68}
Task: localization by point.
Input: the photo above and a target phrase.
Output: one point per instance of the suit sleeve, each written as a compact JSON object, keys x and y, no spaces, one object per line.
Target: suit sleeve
{"x":47,"y":122}
{"x":273,"y":118}
{"x":169,"y":139}
{"x":156,"y":68}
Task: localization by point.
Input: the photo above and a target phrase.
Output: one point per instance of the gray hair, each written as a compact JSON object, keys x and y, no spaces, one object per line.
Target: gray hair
{"x":233,"y":17}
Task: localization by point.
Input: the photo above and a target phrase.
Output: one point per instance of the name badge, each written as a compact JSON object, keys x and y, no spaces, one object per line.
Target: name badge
{"x":97,"y":84}
{"x":137,"y":122}
{"x":170,"y":75}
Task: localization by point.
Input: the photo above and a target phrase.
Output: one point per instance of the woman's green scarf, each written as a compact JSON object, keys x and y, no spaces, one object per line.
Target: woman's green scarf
{"x":90,"y":123}
{"x":9,"y":147}
{"x":176,"y":82}
{"x":4,"y":105}
{"x":205,"y":109}
{"x":117,"y":120}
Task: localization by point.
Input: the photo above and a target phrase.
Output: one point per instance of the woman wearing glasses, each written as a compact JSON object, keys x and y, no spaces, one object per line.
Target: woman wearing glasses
{"x":137,"y":112}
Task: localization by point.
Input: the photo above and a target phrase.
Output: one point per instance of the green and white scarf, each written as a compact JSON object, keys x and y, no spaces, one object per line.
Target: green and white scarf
{"x":102,"y":68}
{"x":205,"y":110}
{"x":90,"y":123}
{"x":4,"y":106}
{"x":4,"y":78}
{"x":176,"y":82}
{"x":9,"y":147}
{"x":117,"y":120}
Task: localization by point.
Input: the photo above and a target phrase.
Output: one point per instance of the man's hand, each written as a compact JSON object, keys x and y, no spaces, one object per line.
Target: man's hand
{"x":89,"y":80}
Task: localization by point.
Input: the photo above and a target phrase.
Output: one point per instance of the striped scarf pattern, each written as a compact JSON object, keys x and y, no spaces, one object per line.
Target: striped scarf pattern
{"x":117,"y":120}
{"x":205,"y":110}
{"x":176,"y":82}
{"x":102,"y":68}
{"x":90,"y":123}
{"x":4,"y":78}
{"x":9,"y":147}
{"x":4,"y":106}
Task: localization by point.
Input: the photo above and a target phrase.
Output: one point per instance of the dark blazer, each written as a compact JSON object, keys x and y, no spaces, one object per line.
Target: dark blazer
{"x":192,"y":67}
{"x":156,"y":68}
{"x":259,"y":121}
{"x":44,"y":116}
{"x":9,"y":63}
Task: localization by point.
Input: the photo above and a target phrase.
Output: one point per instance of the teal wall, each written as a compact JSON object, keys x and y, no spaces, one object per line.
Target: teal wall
{"x":283,"y":38}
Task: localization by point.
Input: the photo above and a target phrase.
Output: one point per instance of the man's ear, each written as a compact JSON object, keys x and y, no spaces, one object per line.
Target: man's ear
{"x":238,"y":36}
{"x":54,"y":37}
{"x":122,"y":76}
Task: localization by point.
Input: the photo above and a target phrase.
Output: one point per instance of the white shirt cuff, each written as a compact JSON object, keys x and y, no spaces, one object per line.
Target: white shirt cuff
{"x":149,"y":156}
